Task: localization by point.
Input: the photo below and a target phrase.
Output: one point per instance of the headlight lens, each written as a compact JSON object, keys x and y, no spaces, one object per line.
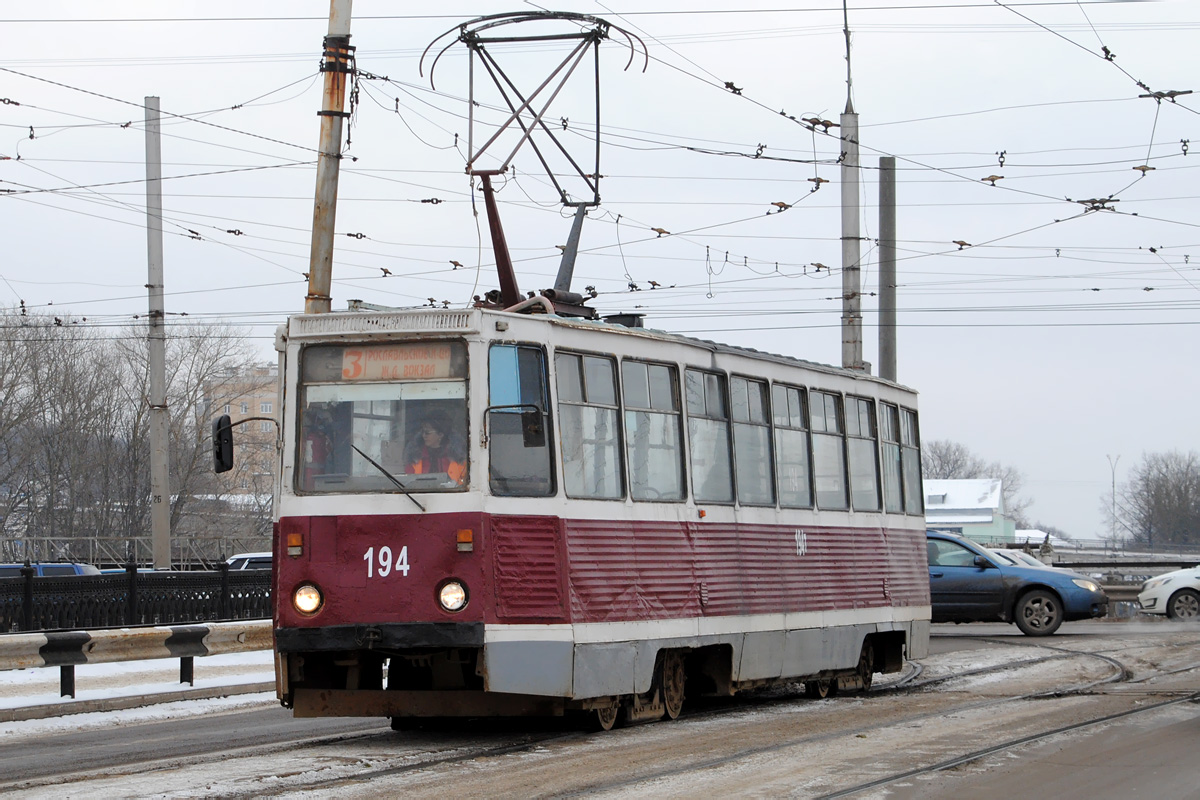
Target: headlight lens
{"x":453,"y":596}
{"x":307,"y":599}
{"x":1154,"y":584}
{"x":1086,"y":585}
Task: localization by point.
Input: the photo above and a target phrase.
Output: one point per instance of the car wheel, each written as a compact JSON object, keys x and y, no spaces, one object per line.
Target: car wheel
{"x":1038,"y":613}
{"x":1184,"y":604}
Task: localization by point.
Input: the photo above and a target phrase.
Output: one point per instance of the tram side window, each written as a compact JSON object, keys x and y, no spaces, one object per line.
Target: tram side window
{"x":653,"y":439}
{"x":910,"y":455}
{"x":517,"y":384}
{"x":829,"y":453}
{"x":587,"y":413}
{"x":751,"y":442}
{"x":863,"y":452}
{"x":893,"y":471}
{"x":708,"y":437}
{"x":791,"y":447}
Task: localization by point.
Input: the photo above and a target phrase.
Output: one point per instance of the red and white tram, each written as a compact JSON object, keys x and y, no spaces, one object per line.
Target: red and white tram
{"x":491,"y":513}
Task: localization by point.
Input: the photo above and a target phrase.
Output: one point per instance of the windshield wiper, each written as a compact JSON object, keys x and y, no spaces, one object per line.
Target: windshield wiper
{"x":389,"y":476}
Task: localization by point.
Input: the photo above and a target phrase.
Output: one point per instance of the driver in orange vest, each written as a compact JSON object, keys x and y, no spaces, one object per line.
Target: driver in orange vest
{"x":433,"y":452}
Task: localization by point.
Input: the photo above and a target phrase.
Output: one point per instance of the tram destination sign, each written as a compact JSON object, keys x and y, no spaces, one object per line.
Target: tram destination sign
{"x":397,"y":362}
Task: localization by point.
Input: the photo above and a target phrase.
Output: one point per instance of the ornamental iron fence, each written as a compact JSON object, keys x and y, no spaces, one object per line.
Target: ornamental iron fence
{"x":80,"y":602}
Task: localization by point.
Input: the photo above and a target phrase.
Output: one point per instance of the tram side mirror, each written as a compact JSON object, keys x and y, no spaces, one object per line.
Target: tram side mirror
{"x":532,"y":430}
{"x":222,"y":440}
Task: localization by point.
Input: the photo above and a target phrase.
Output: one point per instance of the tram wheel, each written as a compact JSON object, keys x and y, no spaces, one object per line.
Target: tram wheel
{"x":866,"y":666}
{"x":818,"y":688}
{"x":606,"y":717}
{"x":672,"y":678}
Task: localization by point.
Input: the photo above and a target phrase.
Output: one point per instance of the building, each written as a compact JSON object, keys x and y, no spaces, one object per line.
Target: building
{"x":973,"y":507}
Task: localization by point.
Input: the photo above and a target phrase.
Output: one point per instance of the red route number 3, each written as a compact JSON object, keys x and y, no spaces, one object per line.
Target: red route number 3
{"x":352,"y":364}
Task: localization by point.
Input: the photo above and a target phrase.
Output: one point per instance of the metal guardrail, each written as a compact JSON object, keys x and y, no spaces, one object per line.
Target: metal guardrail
{"x":31,"y":603}
{"x":68,"y":649}
{"x":1122,"y":592}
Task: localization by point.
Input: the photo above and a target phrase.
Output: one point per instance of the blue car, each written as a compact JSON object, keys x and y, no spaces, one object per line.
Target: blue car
{"x":967,"y":584}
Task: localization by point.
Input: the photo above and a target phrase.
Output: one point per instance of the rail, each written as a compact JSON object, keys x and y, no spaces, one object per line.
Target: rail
{"x":68,"y":649}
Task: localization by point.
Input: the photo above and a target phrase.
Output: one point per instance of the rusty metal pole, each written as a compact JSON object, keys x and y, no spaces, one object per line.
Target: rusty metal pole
{"x":509,"y":293}
{"x":338,"y":67}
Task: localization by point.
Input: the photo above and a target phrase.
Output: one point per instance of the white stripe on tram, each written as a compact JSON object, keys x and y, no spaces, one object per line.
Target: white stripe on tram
{"x":602,"y":632}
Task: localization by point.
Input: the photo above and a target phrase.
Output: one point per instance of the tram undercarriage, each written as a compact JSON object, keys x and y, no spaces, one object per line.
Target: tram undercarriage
{"x":453,"y":682}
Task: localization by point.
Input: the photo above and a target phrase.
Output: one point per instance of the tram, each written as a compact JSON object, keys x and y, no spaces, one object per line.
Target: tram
{"x":486,"y":512}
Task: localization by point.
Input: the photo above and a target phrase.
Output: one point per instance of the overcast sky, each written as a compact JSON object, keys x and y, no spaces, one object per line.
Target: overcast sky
{"x":1061,"y":337}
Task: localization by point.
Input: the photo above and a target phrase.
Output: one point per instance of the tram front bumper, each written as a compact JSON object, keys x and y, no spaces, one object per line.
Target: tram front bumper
{"x":383,"y":636}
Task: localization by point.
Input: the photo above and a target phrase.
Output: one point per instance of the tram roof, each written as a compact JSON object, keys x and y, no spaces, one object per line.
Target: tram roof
{"x":450,"y":321}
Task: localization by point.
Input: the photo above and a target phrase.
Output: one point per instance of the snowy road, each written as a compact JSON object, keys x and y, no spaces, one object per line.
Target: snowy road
{"x":975,"y":692}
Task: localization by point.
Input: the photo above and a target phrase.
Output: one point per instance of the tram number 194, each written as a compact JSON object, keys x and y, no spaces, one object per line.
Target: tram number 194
{"x":382,"y":564}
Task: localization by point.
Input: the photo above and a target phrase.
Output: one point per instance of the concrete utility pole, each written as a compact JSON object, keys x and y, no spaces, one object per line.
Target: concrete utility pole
{"x":1112,"y":466}
{"x":160,"y":489}
{"x":887,"y":268}
{"x":852,"y":351}
{"x":338,"y":68}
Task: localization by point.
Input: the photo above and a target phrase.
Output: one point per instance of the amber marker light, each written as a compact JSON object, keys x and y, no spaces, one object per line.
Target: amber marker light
{"x":466,"y":540}
{"x":295,"y":544}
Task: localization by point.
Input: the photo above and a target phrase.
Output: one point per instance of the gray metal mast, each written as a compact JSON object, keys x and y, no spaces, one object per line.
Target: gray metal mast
{"x":887,"y":267}
{"x":160,"y":490}
{"x":338,"y":68}
{"x":852,"y":349}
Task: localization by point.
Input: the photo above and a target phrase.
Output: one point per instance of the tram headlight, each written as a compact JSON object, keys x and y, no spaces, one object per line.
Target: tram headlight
{"x":1086,"y":585}
{"x":453,"y":596}
{"x":307,"y":599}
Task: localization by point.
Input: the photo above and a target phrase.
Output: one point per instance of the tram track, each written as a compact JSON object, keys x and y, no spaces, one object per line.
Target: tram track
{"x":1007,"y":745}
{"x":1119,"y":673}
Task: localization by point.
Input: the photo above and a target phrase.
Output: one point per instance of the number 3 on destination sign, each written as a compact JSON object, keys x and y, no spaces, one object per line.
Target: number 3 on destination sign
{"x":385,"y":565}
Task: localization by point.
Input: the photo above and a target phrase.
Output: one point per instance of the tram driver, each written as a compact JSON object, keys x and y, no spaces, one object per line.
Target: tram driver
{"x":435,"y":449}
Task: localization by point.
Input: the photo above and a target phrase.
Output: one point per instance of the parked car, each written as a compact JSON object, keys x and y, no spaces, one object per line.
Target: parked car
{"x":969,"y":583}
{"x":249,"y":561}
{"x":1176,"y":594}
{"x":48,"y":570}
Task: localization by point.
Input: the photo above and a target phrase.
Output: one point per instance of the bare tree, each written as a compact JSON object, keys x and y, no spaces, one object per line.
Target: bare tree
{"x":944,"y":459}
{"x":1160,"y":503}
{"x":74,"y":430}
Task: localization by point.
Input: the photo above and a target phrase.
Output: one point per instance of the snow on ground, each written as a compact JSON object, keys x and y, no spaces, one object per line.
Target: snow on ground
{"x":107,"y":719}
{"x":23,"y":688}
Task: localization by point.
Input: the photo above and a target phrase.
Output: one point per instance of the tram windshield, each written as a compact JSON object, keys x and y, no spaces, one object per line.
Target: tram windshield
{"x":383,"y":417}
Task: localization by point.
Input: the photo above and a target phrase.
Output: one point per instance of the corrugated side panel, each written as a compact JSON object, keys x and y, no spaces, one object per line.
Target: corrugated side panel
{"x":528,"y":575}
{"x":630,"y":571}
{"x":635,"y":571}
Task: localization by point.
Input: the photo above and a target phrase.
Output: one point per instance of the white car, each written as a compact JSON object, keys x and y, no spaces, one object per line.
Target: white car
{"x":249,"y":561}
{"x":1176,"y":594}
